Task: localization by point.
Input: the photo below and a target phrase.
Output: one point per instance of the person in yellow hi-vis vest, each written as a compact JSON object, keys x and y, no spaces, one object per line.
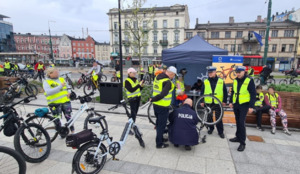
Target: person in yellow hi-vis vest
{"x":96,"y":72}
{"x":161,"y":99}
{"x":215,"y":86}
{"x":250,"y":72}
{"x":142,"y":72}
{"x":40,"y":68}
{"x":7,"y":67}
{"x":57,"y":95}
{"x":180,"y":90}
{"x":133,"y":91}
{"x":242,"y":101}
{"x":151,"y":72}
{"x":260,"y":107}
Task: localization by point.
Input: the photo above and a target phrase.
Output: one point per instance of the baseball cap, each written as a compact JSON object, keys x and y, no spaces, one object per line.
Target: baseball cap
{"x":240,"y":68}
{"x":131,"y":70}
{"x":172,"y":69}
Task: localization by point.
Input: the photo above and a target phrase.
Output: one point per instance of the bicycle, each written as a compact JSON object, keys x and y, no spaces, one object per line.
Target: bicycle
{"x":30,"y":139}
{"x":231,"y":72}
{"x":289,"y":79}
{"x":52,"y":123}
{"x":11,"y":161}
{"x":270,"y":80}
{"x":15,"y":89}
{"x":82,"y":80}
{"x":203,"y":77}
{"x":93,"y":153}
{"x":115,"y":78}
{"x":147,"y":78}
{"x":68,"y":80}
{"x":150,"y":112}
{"x":90,"y":86}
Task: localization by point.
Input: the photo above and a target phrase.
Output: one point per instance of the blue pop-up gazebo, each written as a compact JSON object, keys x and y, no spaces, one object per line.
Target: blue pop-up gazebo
{"x":194,"y":55}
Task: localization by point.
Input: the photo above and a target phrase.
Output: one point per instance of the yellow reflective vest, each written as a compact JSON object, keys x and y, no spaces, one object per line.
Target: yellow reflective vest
{"x":259,"y":99}
{"x":151,"y":69}
{"x":137,"y":92}
{"x":7,"y":65}
{"x":273,"y":100}
{"x":40,"y":66}
{"x":61,"y":96}
{"x":157,"y":89}
{"x":250,"y":71}
{"x":244,"y":95}
{"x":218,"y":93}
{"x":182,"y":88}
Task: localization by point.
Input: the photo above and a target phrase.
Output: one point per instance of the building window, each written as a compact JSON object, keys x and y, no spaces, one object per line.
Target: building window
{"x":78,"y":44}
{"x":283,"y":47}
{"x":274,"y":33}
{"x":274,"y":47}
{"x":165,"y":36}
{"x":225,"y":46}
{"x":21,"y":40}
{"x":155,"y":37}
{"x":239,"y":34}
{"x":227,"y":34}
{"x":144,"y":25}
{"x":145,"y":50}
{"x":262,"y":33}
{"x":127,"y":50}
{"x":239,"y":47}
{"x":155,"y":50}
{"x":176,"y":37}
{"x":189,"y":35}
{"x":291,"y":48}
{"x":155,"y":24}
{"x":74,"y":44}
{"x":116,"y":38}
{"x":232,"y":48}
{"x":135,"y":26}
{"x":218,"y":45}
{"x":82,"y":44}
{"x":78,"y":49}
{"x":165,"y":24}
{"x":249,"y":47}
{"x":74,"y":49}
{"x":165,"y":13}
{"x":176,"y":12}
{"x":126,"y":37}
{"x":201,"y":34}
{"x":87,"y":44}
{"x":126,"y":24}
{"x":92,"y":50}
{"x":176,"y":23}
{"x":215,"y":34}
{"x":288,"y":33}
{"x":91,"y":44}
{"x":115,"y":25}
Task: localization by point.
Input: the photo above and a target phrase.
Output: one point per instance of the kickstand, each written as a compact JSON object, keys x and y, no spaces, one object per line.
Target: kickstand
{"x":203,"y":139}
{"x":115,"y":159}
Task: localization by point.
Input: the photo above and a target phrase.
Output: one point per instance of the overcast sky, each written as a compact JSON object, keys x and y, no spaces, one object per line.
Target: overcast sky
{"x":71,"y":16}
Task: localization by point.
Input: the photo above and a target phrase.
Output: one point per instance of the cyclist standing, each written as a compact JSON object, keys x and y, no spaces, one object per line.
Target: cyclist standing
{"x":96,"y":71}
{"x":40,"y":68}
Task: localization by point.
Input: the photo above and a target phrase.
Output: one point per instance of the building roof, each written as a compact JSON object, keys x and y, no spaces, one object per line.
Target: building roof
{"x":72,"y":38}
{"x":103,"y":43}
{"x":37,"y":35}
{"x":250,"y":25}
{"x":3,"y":16}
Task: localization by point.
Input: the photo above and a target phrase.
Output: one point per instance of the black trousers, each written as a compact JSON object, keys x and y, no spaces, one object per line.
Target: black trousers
{"x":259,"y":112}
{"x":216,"y":108}
{"x":142,"y":76}
{"x":240,"y":112}
{"x":162,"y":114}
{"x":41,"y":75}
{"x":134,"y":107}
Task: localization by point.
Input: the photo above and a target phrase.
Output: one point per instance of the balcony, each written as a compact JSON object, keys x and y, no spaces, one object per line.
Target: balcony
{"x":253,"y":52}
{"x":252,"y":40}
{"x":163,"y":42}
{"x":126,"y":43}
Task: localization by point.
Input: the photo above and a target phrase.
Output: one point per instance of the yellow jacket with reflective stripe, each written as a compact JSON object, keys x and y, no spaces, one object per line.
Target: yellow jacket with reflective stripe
{"x":61,"y":96}
{"x":244,"y":95}
{"x":217,"y":93}
{"x":157,"y":89}
{"x":29,"y":67}
{"x":142,"y":71}
{"x":40,"y":66}
{"x":260,"y":100}
{"x":249,"y":71}
{"x":7,"y":65}
{"x":137,"y":92}
{"x":151,"y":69}
{"x":182,"y":88}
{"x":273,"y":100}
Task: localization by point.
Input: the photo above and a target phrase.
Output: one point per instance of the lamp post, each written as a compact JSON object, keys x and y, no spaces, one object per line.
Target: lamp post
{"x":267,"y":33}
{"x":51,"y":50}
{"x":120,"y":47}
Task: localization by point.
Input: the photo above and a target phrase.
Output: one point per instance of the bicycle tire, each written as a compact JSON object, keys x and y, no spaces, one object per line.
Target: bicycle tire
{"x":31,"y":89}
{"x":138,"y":136}
{"x":21,"y":169}
{"x":151,"y":115}
{"x":103,"y":78}
{"x":9,"y":96}
{"x":283,"y":81}
{"x":79,"y":83}
{"x":40,"y":130}
{"x":96,"y":128}
{"x":232,"y":75}
{"x":70,"y":82}
{"x":88,"y":86}
{"x":270,"y":81}
{"x":256,"y":81}
{"x":40,"y":120}
{"x":296,"y":82}
{"x":203,"y":112}
{"x":78,"y":166}
{"x":220,"y":74}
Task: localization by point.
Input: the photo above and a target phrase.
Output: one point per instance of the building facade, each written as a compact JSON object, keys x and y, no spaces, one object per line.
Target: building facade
{"x":102,"y":51}
{"x":165,"y":30}
{"x":238,"y":38}
{"x":65,"y":47}
{"x":7,"y":43}
{"x":38,"y":44}
{"x":83,"y":48}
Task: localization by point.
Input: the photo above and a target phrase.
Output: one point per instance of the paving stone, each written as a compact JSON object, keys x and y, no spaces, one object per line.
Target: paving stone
{"x":191,"y":164}
{"x":259,"y":158}
{"x":113,"y":165}
{"x":214,"y":166}
{"x":249,"y":168}
{"x":164,"y":159}
{"x":239,"y":156}
{"x":286,"y":161}
{"x":146,"y":169}
{"x":129,"y":168}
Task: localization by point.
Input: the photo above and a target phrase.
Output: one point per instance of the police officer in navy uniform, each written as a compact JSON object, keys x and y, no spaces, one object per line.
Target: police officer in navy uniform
{"x":243,"y":97}
{"x":215,"y":86}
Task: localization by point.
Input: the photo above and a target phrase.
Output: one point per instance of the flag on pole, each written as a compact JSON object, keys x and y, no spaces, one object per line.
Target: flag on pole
{"x":259,"y":38}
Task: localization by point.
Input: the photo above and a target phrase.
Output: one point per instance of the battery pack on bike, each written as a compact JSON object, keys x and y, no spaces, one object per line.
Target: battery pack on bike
{"x":75,"y":140}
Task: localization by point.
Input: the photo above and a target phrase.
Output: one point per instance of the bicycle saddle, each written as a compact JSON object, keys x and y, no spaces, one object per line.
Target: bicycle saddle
{"x":96,"y":119}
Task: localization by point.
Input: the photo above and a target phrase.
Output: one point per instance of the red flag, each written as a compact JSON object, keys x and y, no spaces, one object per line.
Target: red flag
{"x":269,"y":38}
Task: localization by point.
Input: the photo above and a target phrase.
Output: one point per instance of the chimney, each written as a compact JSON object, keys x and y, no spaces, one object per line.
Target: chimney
{"x":231,"y":19}
{"x":197,"y":20}
{"x":259,"y":18}
{"x":208,"y":22}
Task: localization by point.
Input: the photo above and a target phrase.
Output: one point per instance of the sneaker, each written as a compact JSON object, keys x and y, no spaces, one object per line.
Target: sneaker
{"x":162,"y":146}
{"x":273,"y":130}
{"x":222,"y":135}
{"x":260,"y":128}
{"x":210,"y":131}
{"x":286,"y":131}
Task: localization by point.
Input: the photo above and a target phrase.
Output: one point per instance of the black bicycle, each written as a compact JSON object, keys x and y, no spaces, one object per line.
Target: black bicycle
{"x":270,"y":80}
{"x":30,"y":139}
{"x":11,"y":162}
{"x":82,"y":80}
{"x":68,"y":79}
{"x":289,"y":79}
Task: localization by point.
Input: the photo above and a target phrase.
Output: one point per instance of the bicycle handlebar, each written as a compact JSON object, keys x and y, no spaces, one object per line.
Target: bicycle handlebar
{"x":26,"y":99}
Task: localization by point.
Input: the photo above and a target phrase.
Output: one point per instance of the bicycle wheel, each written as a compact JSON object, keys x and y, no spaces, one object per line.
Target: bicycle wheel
{"x":296,"y":82}
{"x":11,"y":161}
{"x":86,"y":161}
{"x":31,"y":89}
{"x":88,"y":88}
{"x":47,"y":123}
{"x":257,"y":81}
{"x":103,"y":78}
{"x":138,"y":136}
{"x":151,"y":115}
{"x":32,"y":142}
{"x":70,"y":82}
{"x":206,"y":113}
{"x":8,"y":96}
{"x":96,"y":128}
{"x":220,"y":74}
{"x":232,"y":75}
{"x":79,"y":83}
{"x":147,"y":79}
{"x":270,"y":81}
{"x":283,"y":81}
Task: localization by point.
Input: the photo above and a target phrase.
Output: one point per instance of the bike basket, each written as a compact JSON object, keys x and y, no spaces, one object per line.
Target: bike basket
{"x":75,"y":140}
{"x":41,"y":112}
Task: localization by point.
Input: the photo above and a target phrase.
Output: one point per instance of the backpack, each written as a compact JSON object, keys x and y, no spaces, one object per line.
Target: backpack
{"x":10,"y":126}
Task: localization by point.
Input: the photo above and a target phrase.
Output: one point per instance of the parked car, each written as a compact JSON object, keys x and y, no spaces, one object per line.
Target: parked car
{"x":287,"y":71}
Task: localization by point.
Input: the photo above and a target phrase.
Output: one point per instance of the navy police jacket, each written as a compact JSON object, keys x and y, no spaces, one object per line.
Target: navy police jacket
{"x":182,"y":128}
